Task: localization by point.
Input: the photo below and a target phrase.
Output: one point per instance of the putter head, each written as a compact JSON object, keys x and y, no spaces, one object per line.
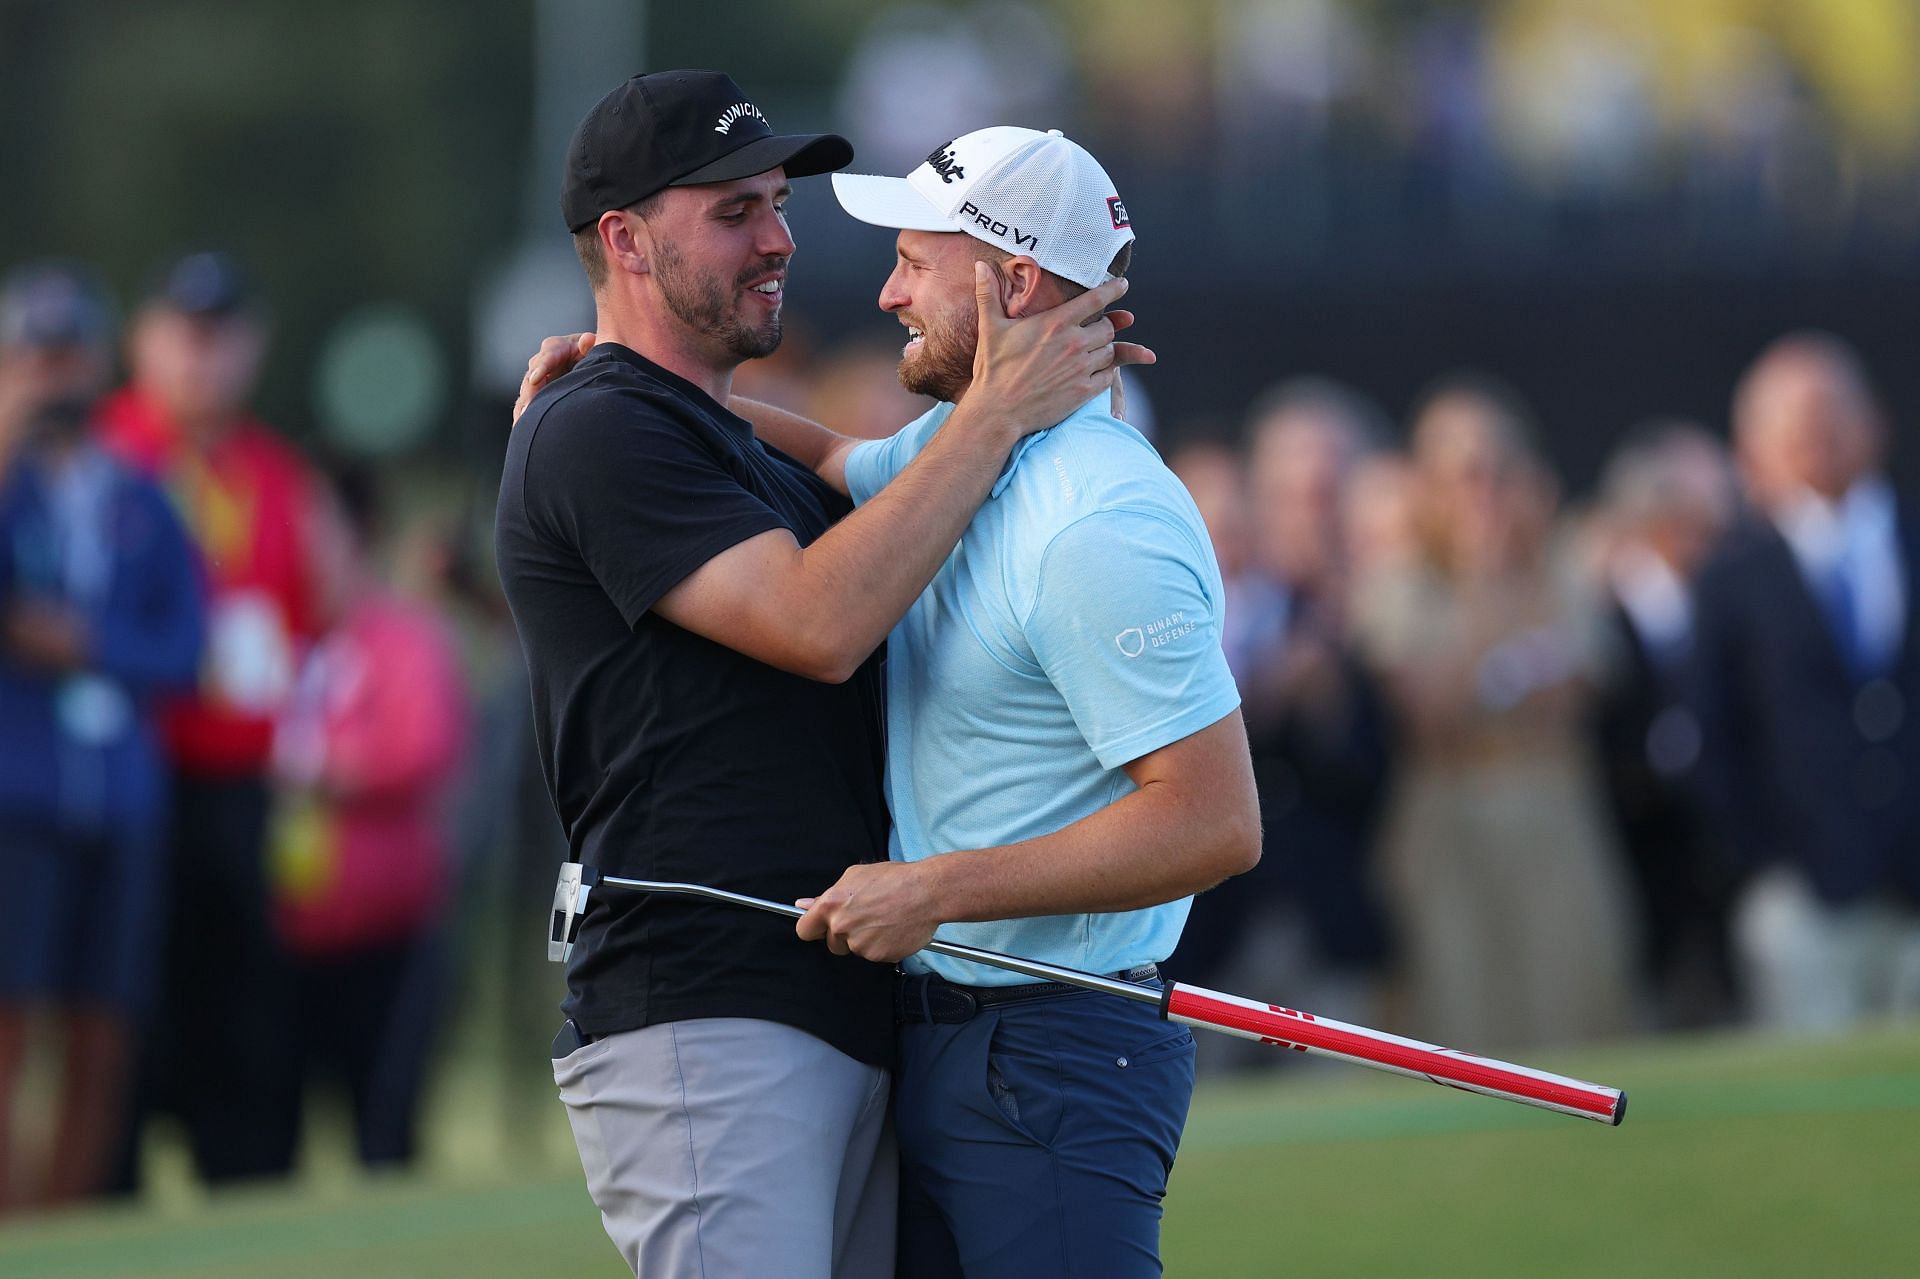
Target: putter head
{"x":569,"y":905}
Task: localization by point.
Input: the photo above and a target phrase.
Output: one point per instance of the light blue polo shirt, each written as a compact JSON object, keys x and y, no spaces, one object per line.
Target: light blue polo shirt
{"x":1075,"y":628}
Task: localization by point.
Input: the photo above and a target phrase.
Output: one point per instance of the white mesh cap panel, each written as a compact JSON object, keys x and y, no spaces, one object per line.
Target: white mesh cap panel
{"x":1052,"y":199}
{"x":1023,"y":191}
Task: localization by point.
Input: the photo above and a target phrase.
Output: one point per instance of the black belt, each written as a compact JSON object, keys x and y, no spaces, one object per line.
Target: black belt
{"x":928,"y":997}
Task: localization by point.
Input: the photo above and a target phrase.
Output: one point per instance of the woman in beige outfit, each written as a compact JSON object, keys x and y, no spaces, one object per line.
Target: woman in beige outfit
{"x":1502,"y":872}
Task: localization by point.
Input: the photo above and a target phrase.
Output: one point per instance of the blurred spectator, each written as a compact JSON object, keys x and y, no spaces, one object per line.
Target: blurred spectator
{"x":1214,"y":475}
{"x":1314,"y":718}
{"x":1813,"y":683}
{"x":1506,"y":888}
{"x":505,"y":840}
{"x":195,"y":351}
{"x":1379,"y":517}
{"x":1314,"y":713}
{"x":365,"y":751}
{"x":100,"y":609}
{"x":1669,"y":497}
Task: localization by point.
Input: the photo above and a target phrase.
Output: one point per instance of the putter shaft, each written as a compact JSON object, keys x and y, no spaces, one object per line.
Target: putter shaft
{"x":1192,"y":1006}
{"x":993,"y":958}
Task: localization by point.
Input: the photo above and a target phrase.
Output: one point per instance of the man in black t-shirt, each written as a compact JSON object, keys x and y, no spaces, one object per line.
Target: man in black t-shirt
{"x":701,"y":636}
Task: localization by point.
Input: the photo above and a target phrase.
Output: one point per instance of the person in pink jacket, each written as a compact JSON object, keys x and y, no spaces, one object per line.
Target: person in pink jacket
{"x":365,"y":753}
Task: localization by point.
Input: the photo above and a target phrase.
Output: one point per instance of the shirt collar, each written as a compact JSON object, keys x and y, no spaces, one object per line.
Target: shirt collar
{"x":1100,"y":405}
{"x":1654,"y":597}
{"x":1820,"y":529}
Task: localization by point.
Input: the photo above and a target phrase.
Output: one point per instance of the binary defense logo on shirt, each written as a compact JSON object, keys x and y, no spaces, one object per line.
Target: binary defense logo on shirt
{"x":1136,"y":640}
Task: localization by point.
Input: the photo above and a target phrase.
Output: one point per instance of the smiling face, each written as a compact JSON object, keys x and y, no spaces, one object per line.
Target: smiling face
{"x":718,"y":261}
{"x":931,"y":293}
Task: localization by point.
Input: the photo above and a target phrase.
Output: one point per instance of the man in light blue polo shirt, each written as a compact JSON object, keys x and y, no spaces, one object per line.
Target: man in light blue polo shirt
{"x":1066,"y":763}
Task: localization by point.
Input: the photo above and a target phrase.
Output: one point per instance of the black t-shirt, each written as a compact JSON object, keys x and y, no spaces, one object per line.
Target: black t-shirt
{"x":669,"y":756}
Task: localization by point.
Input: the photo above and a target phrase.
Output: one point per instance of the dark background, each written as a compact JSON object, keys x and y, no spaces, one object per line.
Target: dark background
{"x":387,"y":150}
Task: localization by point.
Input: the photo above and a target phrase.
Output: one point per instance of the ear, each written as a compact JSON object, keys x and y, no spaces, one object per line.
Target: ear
{"x":626,"y":241}
{"x":1022,"y":285}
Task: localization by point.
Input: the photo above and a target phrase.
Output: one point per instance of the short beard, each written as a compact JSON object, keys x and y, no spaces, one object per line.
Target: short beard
{"x":700,"y":303}
{"x":943,"y":367}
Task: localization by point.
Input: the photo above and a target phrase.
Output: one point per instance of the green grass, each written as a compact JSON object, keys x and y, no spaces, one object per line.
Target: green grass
{"x":1738,"y":1157}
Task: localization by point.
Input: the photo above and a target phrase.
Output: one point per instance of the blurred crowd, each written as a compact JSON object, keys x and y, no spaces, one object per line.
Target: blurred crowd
{"x":1533,"y":774}
{"x":1530,"y":772}
{"x":228,"y":749}
{"x":1721,"y":128}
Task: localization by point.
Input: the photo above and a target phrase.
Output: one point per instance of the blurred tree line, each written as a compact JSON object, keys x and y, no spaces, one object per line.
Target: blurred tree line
{"x":349,"y":151}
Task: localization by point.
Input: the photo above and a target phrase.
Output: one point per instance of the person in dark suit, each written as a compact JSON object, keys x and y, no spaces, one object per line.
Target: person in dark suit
{"x":1810,"y":697}
{"x":1316,"y":722}
{"x":1668,"y":496}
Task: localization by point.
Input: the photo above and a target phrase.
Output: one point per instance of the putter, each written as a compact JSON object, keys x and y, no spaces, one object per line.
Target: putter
{"x":1188,"y":1005}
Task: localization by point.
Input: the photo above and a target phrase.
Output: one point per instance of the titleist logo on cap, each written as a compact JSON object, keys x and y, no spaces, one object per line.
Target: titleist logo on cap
{"x":945,"y":161}
{"x":736,"y":113}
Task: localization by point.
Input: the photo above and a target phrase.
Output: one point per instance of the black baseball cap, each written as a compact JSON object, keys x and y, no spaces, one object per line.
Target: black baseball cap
{"x":676,"y":129}
{"x":50,"y":304}
{"x":207,"y":284}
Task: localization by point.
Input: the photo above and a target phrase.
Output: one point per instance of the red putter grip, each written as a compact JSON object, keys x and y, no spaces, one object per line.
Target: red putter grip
{"x":1287,"y":1028}
{"x":1269,"y":1023}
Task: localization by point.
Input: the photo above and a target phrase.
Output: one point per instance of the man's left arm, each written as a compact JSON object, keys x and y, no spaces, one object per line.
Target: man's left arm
{"x":1192,"y":821}
{"x":1127,"y":628}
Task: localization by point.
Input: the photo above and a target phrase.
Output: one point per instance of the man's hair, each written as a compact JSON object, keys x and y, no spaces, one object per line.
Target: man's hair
{"x":1833,"y":353}
{"x":1069,"y":289}
{"x":1645,"y":476}
{"x":1365,"y":426}
{"x":593,"y":255}
{"x":1503,"y":404}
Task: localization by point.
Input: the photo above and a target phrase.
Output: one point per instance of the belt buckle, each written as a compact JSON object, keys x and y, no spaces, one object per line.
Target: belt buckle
{"x":929,"y":998}
{"x":964,"y":1000}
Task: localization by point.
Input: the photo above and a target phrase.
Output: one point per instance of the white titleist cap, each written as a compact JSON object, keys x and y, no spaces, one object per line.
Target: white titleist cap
{"x":1038,"y":194}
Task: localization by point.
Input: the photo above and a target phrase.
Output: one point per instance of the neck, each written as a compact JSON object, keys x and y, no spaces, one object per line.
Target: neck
{"x":662,"y":338}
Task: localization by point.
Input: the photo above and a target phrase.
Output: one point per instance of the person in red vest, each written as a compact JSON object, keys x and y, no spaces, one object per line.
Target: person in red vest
{"x":194,"y":351}
{"x":365,"y":753}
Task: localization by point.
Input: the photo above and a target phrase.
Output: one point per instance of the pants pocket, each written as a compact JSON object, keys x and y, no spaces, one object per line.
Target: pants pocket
{"x":1022,"y":1081}
{"x":1172,"y":1046}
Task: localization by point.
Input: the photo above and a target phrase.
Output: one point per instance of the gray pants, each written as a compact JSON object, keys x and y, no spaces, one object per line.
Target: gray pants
{"x":732,"y":1147}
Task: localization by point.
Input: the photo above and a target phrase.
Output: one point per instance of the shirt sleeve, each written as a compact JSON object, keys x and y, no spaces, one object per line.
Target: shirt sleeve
{"x":872,"y":464}
{"x":641,"y":497}
{"x":1126,"y":623}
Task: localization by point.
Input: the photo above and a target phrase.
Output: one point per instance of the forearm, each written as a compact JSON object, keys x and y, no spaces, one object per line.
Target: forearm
{"x":1192,"y":821}
{"x":1149,"y":847}
{"x":859,"y":578}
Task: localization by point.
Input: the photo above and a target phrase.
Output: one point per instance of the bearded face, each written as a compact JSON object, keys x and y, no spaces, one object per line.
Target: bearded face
{"x":719,"y":307}
{"x":941,"y":336}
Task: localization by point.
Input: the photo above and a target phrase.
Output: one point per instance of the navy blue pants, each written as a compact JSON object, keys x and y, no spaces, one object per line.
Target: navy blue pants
{"x":1036,"y":1139}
